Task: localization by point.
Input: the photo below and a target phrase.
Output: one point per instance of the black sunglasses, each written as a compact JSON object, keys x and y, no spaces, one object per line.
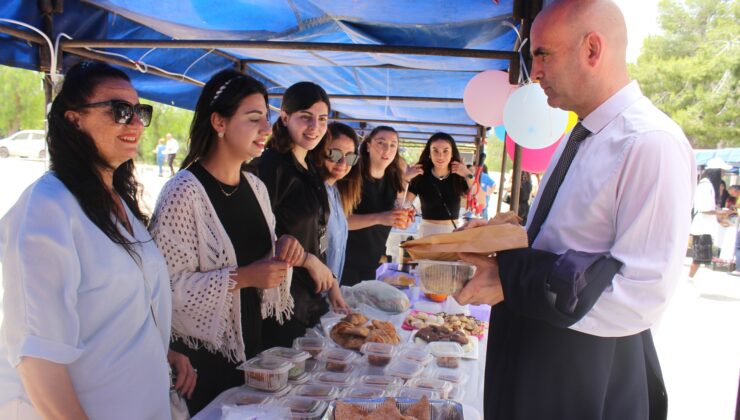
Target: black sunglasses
{"x":336,"y":156}
{"x":123,"y":112}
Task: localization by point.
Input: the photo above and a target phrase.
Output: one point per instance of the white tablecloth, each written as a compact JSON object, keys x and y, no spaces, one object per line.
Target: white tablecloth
{"x":473,"y":398}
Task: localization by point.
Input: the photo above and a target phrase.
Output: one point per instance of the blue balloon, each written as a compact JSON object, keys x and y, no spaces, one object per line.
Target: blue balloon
{"x":500,"y":131}
{"x":530,"y":121}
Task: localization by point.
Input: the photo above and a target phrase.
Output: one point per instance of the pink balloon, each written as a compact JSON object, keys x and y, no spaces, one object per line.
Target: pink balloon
{"x":485,"y":96}
{"x":533,"y":160}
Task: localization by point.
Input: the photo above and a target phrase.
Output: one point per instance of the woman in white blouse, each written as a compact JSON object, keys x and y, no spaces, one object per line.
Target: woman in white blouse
{"x":87,"y":303}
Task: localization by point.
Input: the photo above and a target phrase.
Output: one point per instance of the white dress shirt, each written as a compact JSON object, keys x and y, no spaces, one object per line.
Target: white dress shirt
{"x":73,"y":297}
{"x":705,"y":224}
{"x":628,"y":192}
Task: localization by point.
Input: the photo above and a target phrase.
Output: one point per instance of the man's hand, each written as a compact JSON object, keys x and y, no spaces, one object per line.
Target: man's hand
{"x":485,"y":287}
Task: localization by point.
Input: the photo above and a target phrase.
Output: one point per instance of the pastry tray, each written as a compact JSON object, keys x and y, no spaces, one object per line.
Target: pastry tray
{"x":441,"y":409}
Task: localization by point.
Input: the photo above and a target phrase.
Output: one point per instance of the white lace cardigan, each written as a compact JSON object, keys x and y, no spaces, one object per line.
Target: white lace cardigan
{"x":200,"y":256}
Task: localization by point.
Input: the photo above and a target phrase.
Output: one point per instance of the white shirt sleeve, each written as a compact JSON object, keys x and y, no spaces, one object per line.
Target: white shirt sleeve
{"x":41,"y":275}
{"x":652,"y":216}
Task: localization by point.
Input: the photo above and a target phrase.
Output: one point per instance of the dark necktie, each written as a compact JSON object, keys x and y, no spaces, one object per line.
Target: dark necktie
{"x":556,"y":178}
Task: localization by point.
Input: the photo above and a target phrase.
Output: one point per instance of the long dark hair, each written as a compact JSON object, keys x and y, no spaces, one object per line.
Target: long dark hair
{"x":76,"y":161}
{"x":222,"y":94}
{"x":298,"y":97}
{"x":715,"y":177}
{"x":393,"y":171}
{"x":350,"y":187}
{"x":459,"y":186}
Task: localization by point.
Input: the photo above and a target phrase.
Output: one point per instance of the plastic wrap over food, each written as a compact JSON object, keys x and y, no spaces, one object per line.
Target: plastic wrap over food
{"x":376,"y":294}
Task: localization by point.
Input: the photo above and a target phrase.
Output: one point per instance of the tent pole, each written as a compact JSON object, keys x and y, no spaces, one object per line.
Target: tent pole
{"x":281,"y":45}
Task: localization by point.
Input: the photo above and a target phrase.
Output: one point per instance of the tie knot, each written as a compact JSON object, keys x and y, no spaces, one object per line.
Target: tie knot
{"x":579,"y":133}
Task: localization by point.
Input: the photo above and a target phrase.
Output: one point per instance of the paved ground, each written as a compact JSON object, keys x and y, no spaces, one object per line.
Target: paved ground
{"x":698,"y":339}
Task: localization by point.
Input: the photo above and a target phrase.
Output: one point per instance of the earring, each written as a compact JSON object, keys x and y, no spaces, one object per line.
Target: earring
{"x":220,"y":135}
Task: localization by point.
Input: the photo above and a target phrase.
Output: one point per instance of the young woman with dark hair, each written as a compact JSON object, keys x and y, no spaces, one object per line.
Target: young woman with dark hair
{"x":375,"y":215}
{"x":215,"y":226}
{"x":87,"y":298}
{"x":440,"y":188}
{"x":340,"y":169}
{"x":301,"y":206}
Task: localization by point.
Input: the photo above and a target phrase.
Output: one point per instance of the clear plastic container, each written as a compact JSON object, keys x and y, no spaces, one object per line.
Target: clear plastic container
{"x":266,"y":374}
{"x":378,"y":354}
{"x":273,"y":394}
{"x":317,"y":391}
{"x":453,"y":376}
{"x":246,"y":396}
{"x":416,"y":393}
{"x":295,"y":356}
{"x":312,"y":345}
{"x":417,"y":354}
{"x":457,"y":392}
{"x":305,"y":408}
{"x":437,"y":385}
{"x":338,"y":360}
{"x":443,"y":277}
{"x":364,"y":391}
{"x":300,"y":380}
{"x":332,"y":378}
{"x":404,"y":369}
{"x":387,"y":382}
{"x":448,"y":354}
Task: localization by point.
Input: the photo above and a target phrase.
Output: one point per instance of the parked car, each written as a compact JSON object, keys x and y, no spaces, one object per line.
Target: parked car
{"x":26,"y":143}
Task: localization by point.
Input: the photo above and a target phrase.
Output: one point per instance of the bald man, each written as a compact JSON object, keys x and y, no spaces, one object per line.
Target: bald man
{"x":570,"y":329}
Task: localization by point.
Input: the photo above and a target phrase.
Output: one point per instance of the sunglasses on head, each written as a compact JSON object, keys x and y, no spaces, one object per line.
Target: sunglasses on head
{"x":336,"y":156}
{"x":123,"y":112}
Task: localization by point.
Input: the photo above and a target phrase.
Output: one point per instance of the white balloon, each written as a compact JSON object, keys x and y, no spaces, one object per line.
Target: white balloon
{"x":530,"y":121}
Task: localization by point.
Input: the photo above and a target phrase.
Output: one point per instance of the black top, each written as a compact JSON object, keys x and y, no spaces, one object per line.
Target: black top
{"x":243,"y":220}
{"x":301,"y":207}
{"x":366,"y":246}
{"x":434,"y":194}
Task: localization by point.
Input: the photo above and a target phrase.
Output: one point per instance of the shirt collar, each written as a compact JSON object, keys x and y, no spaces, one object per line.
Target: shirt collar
{"x":612,"y":107}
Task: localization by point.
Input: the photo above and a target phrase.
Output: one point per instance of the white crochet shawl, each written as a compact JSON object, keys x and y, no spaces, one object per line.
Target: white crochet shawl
{"x":199,"y":254}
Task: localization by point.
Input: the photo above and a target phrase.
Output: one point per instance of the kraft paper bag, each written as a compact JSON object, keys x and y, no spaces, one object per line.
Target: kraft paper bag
{"x":480,"y":240}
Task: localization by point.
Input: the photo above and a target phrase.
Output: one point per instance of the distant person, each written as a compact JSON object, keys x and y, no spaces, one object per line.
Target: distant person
{"x":172,"y":147}
{"x":525,"y":193}
{"x":440,"y":187}
{"x":489,"y":186}
{"x":705,"y":224}
{"x":160,"y":153}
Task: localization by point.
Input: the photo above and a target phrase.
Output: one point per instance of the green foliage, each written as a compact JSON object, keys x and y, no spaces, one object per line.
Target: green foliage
{"x":23,"y":100}
{"x":691,"y":70}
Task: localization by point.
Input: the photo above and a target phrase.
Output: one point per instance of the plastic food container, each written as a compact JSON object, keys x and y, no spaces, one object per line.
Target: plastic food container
{"x":317,"y":391}
{"x":300,"y":380}
{"x":417,"y":354}
{"x":245,"y":396}
{"x":312,"y":345}
{"x":386,"y":382}
{"x":457,"y":392}
{"x":404,"y":369}
{"x":332,"y":378}
{"x":448,"y":354}
{"x":338,"y":360}
{"x":305,"y":408}
{"x":266,"y":374}
{"x":297,"y":357}
{"x":443,"y":277}
{"x":455,"y":377}
{"x":437,"y":385}
{"x":416,"y":393}
{"x":378,"y":354}
{"x":364,"y":391}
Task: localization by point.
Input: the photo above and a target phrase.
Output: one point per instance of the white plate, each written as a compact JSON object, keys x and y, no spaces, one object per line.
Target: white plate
{"x":471,"y":354}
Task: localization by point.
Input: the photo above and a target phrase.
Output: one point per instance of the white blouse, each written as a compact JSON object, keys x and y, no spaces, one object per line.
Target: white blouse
{"x":74,"y":297}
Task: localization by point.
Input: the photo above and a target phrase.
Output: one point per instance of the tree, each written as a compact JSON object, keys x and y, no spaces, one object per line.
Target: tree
{"x":691,"y":70}
{"x":23,"y":100}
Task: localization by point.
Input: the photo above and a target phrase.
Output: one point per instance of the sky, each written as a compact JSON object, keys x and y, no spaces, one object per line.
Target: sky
{"x":642,"y":20}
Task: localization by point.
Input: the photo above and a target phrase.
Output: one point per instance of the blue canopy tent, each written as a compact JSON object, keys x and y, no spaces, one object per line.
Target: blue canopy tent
{"x":402,"y":63}
{"x":731,"y":156}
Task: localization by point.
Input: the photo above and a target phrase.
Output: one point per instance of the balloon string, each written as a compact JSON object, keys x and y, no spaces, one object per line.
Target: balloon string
{"x":522,"y":68}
